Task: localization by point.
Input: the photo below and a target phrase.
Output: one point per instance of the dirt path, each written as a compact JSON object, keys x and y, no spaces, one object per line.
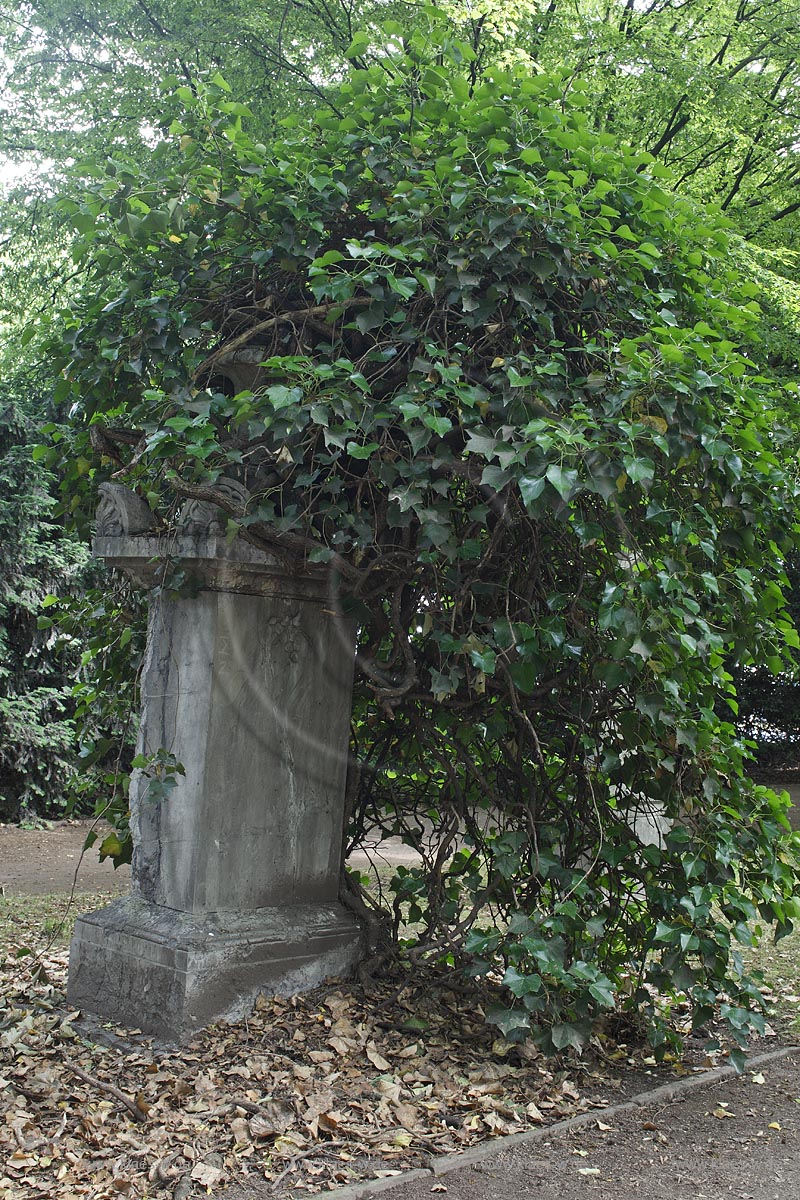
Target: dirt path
{"x":738,"y":1138}
{"x":38,"y":862}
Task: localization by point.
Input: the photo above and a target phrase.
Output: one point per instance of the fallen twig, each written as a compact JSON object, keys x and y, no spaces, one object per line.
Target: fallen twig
{"x":318,"y":1149}
{"x":248,"y":1106}
{"x":34,"y":1097}
{"x":164,"y":1171}
{"x":129,"y":1104}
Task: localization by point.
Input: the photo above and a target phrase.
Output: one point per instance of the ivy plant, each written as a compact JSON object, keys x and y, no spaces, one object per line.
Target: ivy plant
{"x":503,"y":400}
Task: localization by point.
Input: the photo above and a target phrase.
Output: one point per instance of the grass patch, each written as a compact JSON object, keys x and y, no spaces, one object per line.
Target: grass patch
{"x":778,"y":963}
{"x":38,"y":921}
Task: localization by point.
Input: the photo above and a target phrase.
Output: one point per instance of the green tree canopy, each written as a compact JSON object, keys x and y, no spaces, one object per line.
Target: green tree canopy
{"x":708,"y":88}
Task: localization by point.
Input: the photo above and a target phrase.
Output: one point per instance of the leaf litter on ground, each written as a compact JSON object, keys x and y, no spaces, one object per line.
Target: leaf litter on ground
{"x":306,"y":1093}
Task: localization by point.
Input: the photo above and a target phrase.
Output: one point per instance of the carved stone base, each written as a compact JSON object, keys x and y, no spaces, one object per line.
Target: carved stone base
{"x":169,"y":973}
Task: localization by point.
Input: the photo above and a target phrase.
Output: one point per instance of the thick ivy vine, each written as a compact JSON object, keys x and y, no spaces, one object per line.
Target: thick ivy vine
{"x":505,"y":399}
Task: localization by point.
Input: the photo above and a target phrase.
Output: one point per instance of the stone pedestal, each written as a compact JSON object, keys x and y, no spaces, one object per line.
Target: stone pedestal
{"x":234,"y":876}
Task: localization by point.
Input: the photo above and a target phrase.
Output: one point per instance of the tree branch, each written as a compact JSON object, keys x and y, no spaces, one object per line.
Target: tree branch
{"x":272,"y":541}
{"x":317,"y":310}
{"x":101,"y":1085}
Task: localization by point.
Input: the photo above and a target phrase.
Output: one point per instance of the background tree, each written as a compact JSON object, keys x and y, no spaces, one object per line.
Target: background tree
{"x":36,"y":733}
{"x":709,"y":89}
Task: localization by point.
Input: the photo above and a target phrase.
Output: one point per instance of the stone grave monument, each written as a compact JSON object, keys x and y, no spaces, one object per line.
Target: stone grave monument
{"x":247,"y":682}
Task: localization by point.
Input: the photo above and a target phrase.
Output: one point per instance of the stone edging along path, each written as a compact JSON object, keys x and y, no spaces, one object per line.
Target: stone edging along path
{"x":452,"y":1162}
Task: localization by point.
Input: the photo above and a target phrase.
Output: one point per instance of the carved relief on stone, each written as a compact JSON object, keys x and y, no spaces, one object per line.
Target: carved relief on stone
{"x":286,"y":628}
{"x":121,"y":512}
{"x":200,"y":518}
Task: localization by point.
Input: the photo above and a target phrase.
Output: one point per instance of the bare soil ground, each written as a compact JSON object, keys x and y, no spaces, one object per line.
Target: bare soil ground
{"x":739,"y":1138}
{"x":48,"y":861}
{"x":40,"y":862}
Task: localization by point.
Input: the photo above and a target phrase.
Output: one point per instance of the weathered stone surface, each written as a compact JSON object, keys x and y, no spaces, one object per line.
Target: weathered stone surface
{"x":247,"y":682}
{"x":121,"y":512}
{"x":252,"y":694}
{"x":201,"y":518}
{"x":214,"y":563}
{"x":171,"y":973}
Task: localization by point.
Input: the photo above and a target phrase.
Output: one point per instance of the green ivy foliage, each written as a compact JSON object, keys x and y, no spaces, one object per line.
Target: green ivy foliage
{"x":104,"y":621}
{"x":504,"y":400}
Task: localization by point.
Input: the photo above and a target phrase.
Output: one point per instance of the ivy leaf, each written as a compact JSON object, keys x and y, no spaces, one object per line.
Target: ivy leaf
{"x":510,"y":1021}
{"x":639,"y":470}
{"x":478,"y":443}
{"x":564,"y":1035}
{"x":531,"y":490}
{"x":355,"y":450}
{"x":563,"y":479}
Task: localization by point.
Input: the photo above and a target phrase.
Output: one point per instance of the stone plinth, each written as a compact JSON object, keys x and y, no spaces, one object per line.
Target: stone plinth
{"x":247,"y":682}
{"x":171,"y":973}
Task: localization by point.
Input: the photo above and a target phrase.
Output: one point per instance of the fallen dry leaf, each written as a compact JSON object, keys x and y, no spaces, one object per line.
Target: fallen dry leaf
{"x":332,"y":1121}
{"x":273,"y":1118}
{"x":312,"y":1091}
{"x":206,"y":1174}
{"x":376,"y":1058}
{"x":240,"y":1130}
{"x":407,"y":1114}
{"x":342,"y":1045}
